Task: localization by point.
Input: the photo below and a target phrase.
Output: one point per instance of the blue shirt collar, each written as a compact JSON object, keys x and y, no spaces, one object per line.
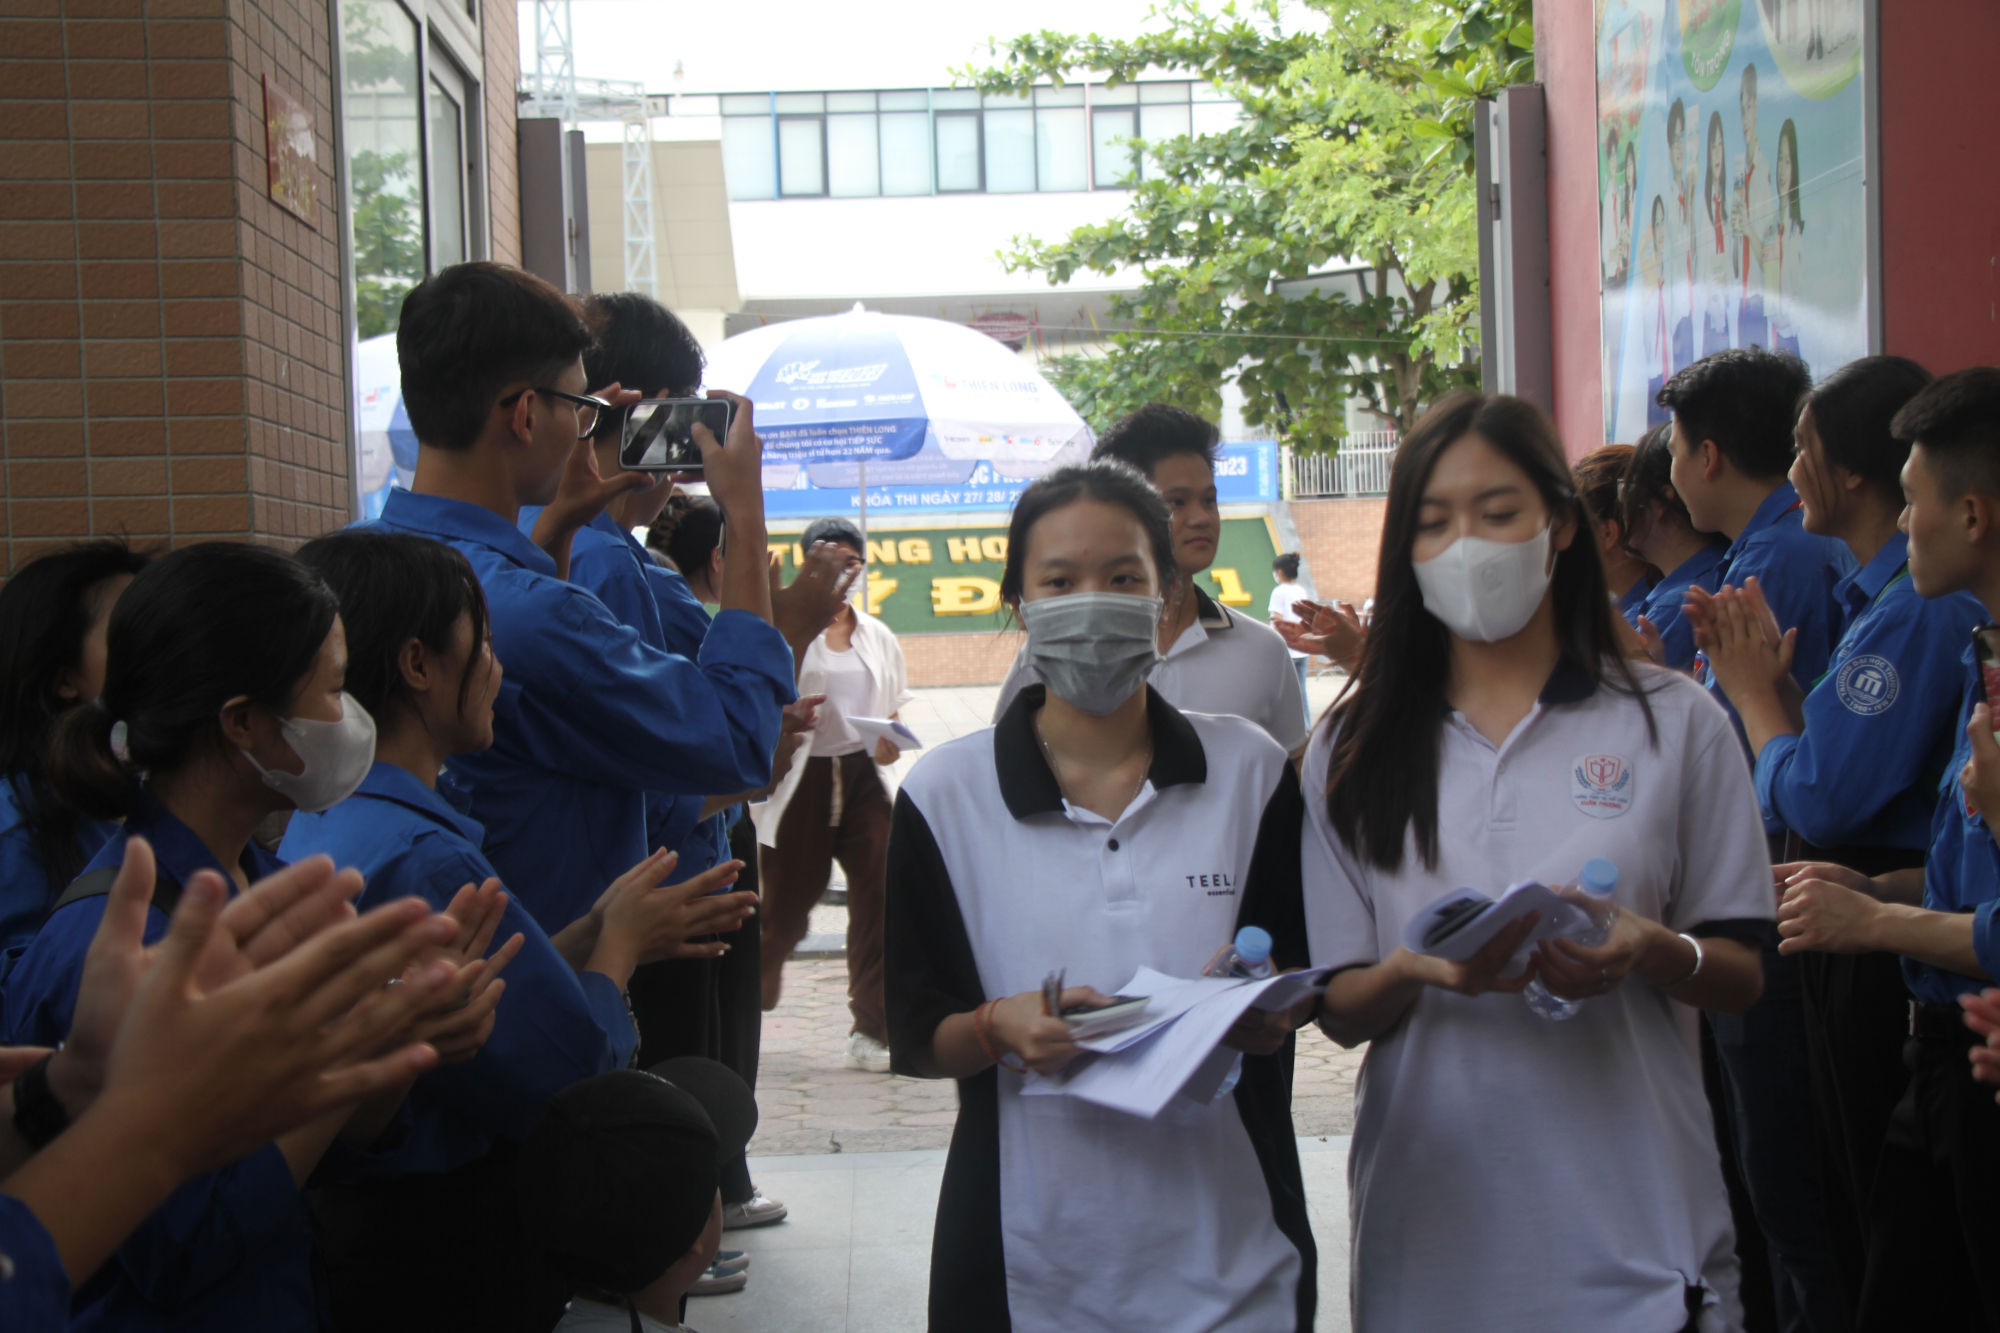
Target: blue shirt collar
{"x":1869,"y":580}
{"x":179,"y":851}
{"x":1692,"y":568}
{"x":457,"y":520}
{"x":387,"y":782}
{"x":1775,"y":506}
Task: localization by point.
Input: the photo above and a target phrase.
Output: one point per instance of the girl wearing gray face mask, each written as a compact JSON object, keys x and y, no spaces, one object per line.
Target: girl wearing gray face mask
{"x":1094,"y":830}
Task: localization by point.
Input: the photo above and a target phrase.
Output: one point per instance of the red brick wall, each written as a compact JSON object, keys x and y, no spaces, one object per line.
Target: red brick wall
{"x":1342,"y":540}
{"x":503,"y":174}
{"x":168,"y":336}
{"x":978,"y":658}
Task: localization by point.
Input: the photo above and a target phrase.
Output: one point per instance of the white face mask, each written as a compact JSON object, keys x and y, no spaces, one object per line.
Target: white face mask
{"x":338,"y":756}
{"x":1485,"y":590}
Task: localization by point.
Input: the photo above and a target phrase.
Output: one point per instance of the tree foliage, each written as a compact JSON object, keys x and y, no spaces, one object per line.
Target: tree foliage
{"x":1354,"y":142}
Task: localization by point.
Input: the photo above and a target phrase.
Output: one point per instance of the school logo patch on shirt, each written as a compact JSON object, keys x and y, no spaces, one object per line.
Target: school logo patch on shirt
{"x":1867,"y":684}
{"x":1601,"y":785}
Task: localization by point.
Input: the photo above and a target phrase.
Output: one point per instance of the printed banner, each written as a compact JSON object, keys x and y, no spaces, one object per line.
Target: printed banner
{"x":1730,"y":188}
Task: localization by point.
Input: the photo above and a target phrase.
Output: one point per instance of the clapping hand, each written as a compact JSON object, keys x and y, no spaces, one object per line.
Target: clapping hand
{"x":1331,"y":630}
{"x":1746,"y":650}
{"x":1982,"y":1015}
{"x":803,"y":608}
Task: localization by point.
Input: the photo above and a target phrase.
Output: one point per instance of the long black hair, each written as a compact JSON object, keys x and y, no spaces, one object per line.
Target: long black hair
{"x":1852,"y":409}
{"x":1105,"y":480}
{"x":687,"y":533}
{"x":46,"y":610}
{"x":1382,"y":782}
{"x":394,"y":587}
{"x":1649,"y":478}
{"x":199,"y":627}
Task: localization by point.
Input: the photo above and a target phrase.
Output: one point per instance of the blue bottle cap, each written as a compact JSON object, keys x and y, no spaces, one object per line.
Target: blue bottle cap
{"x":1253,"y":944}
{"x":1599,"y":877}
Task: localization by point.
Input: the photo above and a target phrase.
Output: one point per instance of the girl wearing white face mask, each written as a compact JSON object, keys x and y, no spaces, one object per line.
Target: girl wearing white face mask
{"x":222,"y":704}
{"x":1511,"y":1172}
{"x":1095,"y":829}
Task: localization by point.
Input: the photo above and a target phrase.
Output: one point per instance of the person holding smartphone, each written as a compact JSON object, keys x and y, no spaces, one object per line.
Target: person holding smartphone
{"x":1496,"y":733}
{"x":1096,"y":828}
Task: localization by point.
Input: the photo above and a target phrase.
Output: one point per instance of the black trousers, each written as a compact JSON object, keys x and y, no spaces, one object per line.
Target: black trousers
{"x":1934,"y":1227}
{"x":709,"y":1007}
{"x":433,"y":1252}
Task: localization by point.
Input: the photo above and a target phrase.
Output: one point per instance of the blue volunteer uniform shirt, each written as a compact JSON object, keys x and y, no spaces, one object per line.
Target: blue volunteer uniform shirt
{"x":590,"y":717}
{"x":26,"y":890}
{"x":34,"y":1288}
{"x":554,"y":1025}
{"x":1879,"y":724}
{"x":1663,"y":604}
{"x":1797,"y":572}
{"x":1634,"y":601}
{"x":1962,"y":872}
{"x":229,"y":1251}
{"x":685,"y":621}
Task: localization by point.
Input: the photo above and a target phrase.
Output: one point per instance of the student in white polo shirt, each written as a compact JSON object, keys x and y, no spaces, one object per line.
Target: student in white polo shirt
{"x":1096,"y":828}
{"x":1510,"y":1172}
{"x":1213,"y":659}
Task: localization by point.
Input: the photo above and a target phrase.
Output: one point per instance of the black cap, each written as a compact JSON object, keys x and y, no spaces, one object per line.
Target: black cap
{"x":618,"y":1179}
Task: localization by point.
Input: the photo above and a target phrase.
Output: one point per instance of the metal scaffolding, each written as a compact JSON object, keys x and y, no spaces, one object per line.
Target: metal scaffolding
{"x":554,"y":91}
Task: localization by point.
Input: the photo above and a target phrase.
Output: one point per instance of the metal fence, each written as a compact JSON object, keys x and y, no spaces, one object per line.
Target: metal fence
{"x":1360,"y":468}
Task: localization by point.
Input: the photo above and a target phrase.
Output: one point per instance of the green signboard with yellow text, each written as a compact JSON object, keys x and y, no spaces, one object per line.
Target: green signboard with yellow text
{"x":946,"y":580}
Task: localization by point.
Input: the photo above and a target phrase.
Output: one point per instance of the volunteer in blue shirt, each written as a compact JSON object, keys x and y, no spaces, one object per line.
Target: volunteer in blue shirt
{"x":197,"y":1055}
{"x":421,"y":662}
{"x":1599,"y":476}
{"x":1661,"y":531}
{"x":223,"y":703}
{"x":1852,"y":769}
{"x":1732,"y":446}
{"x":1933,"y":1228}
{"x":591,"y":717}
{"x":52,"y":617}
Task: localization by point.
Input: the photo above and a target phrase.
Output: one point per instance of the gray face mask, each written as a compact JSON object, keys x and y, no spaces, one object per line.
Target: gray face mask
{"x":1093,"y":648}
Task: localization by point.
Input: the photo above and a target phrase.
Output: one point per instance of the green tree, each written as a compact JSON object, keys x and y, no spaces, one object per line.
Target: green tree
{"x":388,"y":238}
{"x":1354,"y":141}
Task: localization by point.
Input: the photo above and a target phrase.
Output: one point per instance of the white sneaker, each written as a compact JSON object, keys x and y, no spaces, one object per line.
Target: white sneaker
{"x":715,"y":1282}
{"x":864,"y":1052}
{"x":758,"y":1211}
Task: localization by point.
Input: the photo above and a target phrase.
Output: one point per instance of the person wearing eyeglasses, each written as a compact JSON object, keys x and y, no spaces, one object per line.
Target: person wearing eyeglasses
{"x":592,"y":717}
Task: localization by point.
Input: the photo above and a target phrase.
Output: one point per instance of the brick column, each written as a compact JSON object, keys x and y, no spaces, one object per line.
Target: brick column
{"x":169,"y":337}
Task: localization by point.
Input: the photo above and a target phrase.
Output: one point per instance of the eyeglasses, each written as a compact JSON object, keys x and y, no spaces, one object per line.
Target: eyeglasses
{"x":587,"y":407}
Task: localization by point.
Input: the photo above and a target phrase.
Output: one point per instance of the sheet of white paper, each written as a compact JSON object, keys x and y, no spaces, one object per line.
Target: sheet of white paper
{"x":888,"y":729}
{"x":1171,"y":996}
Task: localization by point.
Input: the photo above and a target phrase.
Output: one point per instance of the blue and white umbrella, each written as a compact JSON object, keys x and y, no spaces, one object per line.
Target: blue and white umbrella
{"x":388,"y":454}
{"x":865,"y":387}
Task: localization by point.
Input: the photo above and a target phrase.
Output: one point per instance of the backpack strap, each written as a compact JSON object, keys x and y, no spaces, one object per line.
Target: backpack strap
{"x":97,"y":884}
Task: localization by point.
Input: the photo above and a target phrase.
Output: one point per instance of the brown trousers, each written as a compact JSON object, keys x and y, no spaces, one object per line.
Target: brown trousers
{"x":815,"y":833}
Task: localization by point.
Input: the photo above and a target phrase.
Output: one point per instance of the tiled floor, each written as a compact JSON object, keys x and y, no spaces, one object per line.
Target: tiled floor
{"x":858,"y":1156}
{"x":854,"y":1256}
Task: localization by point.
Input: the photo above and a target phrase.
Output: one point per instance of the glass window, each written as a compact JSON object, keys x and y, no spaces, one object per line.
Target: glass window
{"x":1072,"y":95}
{"x":749,"y":155}
{"x":906,"y":101}
{"x":1163,"y":122}
{"x":801,"y":102}
{"x":906,"y":152}
{"x":1004,"y":101}
{"x":447,"y":178}
{"x":1060,"y":161}
{"x":955,"y":99}
{"x":958,"y":151}
{"x":1010,"y":152}
{"x":746,"y":104}
{"x":801,"y":155}
{"x":1125,"y":94}
{"x":1163,"y":92}
{"x":1216,"y":117}
{"x":1112,"y":162}
{"x":851,"y":164}
{"x":850,"y":101}
{"x":384,"y":159}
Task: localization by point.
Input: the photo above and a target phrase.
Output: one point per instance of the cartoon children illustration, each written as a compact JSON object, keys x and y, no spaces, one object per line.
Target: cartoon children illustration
{"x":1720,"y":276}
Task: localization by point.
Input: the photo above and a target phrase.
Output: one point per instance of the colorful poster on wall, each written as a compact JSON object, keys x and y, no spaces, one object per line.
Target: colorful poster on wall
{"x":1730,"y":188}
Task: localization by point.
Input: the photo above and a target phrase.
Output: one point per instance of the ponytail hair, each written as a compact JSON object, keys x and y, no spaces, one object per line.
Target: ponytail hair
{"x":197,"y":628}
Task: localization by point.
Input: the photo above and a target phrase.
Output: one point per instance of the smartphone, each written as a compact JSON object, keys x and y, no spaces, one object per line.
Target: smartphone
{"x":659,"y":433}
{"x":1986,"y":648}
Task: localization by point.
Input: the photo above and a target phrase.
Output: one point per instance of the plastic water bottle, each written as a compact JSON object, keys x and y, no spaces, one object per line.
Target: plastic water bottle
{"x":1249,"y":957}
{"x":1598,"y":879}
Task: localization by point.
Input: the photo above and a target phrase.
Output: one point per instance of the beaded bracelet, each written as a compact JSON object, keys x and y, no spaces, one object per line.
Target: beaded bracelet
{"x":981,"y":1020}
